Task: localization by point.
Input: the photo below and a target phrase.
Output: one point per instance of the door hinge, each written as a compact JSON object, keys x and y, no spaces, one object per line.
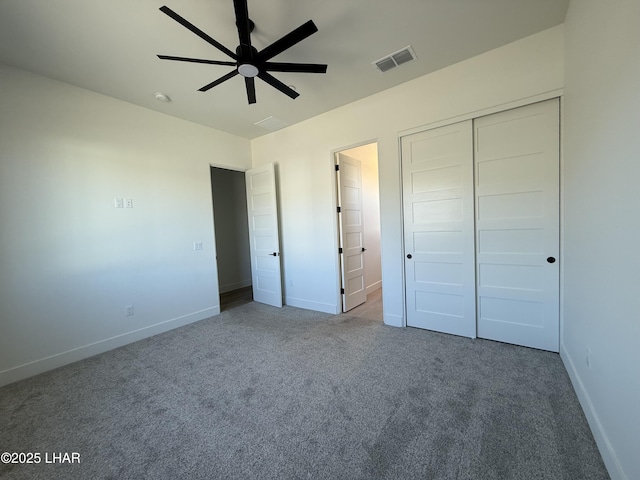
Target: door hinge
{"x":339,"y":209}
{"x":342,"y":291}
{"x":340,"y":250}
{"x":337,"y":168}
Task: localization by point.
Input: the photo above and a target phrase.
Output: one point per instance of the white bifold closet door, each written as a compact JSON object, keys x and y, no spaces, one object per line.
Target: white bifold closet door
{"x":517,"y":225}
{"x":437,"y":170}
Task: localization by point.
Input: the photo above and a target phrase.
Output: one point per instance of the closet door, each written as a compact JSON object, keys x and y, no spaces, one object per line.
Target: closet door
{"x":517,"y":225}
{"x":437,"y":172}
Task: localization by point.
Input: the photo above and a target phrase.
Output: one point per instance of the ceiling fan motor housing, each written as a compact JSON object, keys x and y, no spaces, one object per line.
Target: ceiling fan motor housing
{"x":246,"y":63}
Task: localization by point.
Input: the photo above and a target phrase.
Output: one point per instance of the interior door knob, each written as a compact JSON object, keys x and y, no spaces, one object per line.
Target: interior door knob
{"x":274,"y":254}
{"x":551,"y":260}
{"x":409,"y":255}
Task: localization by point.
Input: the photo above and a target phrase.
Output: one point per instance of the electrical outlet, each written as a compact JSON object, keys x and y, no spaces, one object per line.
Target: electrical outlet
{"x":128,"y":203}
{"x":588,"y":357}
{"x":128,"y":310}
{"x":119,"y":202}
{"x":197,"y":245}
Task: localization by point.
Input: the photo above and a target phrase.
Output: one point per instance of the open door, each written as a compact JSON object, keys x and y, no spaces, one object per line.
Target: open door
{"x":264,"y":241}
{"x":352,"y":249}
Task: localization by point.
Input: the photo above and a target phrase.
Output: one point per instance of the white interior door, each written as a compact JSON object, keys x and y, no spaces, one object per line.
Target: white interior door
{"x":437,"y":173}
{"x":517,"y":221}
{"x":264,"y":243}
{"x":351,"y":231}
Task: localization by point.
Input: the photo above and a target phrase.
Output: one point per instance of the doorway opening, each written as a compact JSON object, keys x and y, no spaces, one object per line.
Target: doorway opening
{"x":228,"y":192}
{"x":358,"y":243}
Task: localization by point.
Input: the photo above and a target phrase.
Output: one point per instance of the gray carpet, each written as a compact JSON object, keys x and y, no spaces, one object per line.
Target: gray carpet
{"x":263,"y":393}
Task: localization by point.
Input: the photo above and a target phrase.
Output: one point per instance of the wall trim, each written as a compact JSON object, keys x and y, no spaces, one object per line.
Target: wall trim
{"x":229,"y":287}
{"x":374,"y":286}
{"x":51,"y":362}
{"x":311,"y":305}
{"x":393,"y":320}
{"x":602,"y":440}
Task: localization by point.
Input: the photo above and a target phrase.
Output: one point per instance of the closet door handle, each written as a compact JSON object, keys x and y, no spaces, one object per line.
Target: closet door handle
{"x":551,"y":260}
{"x":409,"y":256}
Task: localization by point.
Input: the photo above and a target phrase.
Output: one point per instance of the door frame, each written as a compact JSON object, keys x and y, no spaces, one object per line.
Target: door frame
{"x":334,"y":210}
{"x":213,"y":213}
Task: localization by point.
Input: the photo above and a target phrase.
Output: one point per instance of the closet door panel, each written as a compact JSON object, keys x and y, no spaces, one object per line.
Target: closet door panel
{"x":437,"y":168}
{"x":517,"y":225}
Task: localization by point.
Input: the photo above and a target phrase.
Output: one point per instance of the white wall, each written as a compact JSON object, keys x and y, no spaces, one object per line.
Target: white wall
{"x":368,"y":156}
{"x":521,"y":70}
{"x":601,"y":228}
{"x":69,"y":260}
{"x":232,"y":230}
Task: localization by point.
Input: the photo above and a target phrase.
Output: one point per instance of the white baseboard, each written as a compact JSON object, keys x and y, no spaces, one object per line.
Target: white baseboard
{"x":393,"y":320}
{"x":374,"y":286}
{"x":64,"y":358}
{"x":602,"y":440}
{"x":230,"y":287}
{"x":310,"y":305}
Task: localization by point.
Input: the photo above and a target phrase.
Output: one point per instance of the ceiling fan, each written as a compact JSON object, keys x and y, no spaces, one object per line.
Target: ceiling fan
{"x":250,"y":62}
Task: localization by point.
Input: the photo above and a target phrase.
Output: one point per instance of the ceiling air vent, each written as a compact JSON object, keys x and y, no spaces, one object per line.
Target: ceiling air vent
{"x":272,"y":124}
{"x":395,"y":59}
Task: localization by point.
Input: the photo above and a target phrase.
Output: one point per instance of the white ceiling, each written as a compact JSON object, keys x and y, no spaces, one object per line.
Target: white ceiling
{"x":110,"y":47}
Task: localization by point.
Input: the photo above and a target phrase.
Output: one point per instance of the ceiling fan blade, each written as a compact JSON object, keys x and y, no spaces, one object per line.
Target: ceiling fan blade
{"x":185,"y":23}
{"x":289,"y":40}
{"x":196,"y":60}
{"x":275,"y":83}
{"x":251,"y":89}
{"x":242,"y":21}
{"x":224,"y":78}
{"x":295,"y":67}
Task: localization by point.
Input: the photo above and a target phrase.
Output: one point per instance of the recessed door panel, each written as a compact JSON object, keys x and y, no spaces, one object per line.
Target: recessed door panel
{"x":439,"y":273}
{"x":426,"y":212}
{"x":438,"y":242}
{"x":436,"y":179}
{"x":510,"y":205}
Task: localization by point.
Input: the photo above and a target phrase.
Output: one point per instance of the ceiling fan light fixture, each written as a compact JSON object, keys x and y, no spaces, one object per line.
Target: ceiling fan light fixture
{"x":250,"y":62}
{"x":248,"y":71}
